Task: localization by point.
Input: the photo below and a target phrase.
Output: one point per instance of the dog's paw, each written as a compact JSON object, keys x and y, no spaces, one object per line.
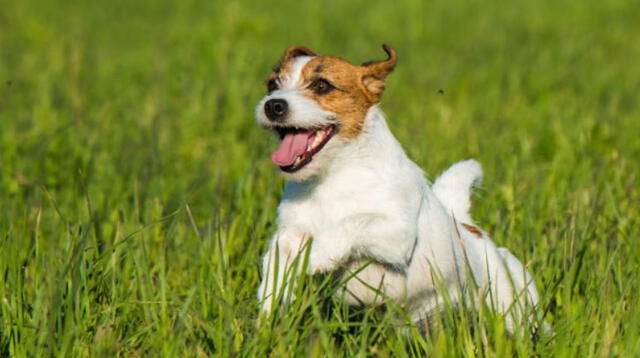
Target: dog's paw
{"x":320,"y":261}
{"x":327,"y":253}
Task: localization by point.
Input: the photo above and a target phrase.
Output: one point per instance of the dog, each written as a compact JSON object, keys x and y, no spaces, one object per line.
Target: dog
{"x":360,"y":206}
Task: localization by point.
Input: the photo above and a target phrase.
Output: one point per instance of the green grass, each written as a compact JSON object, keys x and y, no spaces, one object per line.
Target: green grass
{"x":137,"y":195}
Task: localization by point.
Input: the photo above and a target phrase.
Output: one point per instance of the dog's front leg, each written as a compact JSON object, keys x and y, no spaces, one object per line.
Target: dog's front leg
{"x":280,"y":267}
{"x":376,"y":236}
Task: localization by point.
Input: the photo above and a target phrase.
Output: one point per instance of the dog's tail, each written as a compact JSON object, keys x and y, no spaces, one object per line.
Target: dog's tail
{"x":453,"y":188}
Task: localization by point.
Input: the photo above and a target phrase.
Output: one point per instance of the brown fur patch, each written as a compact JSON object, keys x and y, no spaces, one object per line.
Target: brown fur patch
{"x":348,"y":100}
{"x":472,"y":229}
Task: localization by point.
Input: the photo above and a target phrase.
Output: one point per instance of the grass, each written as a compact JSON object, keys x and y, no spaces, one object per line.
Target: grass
{"x":137,"y":194}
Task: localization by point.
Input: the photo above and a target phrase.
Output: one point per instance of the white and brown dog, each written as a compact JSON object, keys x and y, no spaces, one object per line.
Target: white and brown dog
{"x":355,"y":197}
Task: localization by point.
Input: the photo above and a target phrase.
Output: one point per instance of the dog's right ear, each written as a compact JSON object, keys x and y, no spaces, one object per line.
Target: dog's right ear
{"x":291,"y":53}
{"x":297,"y":51}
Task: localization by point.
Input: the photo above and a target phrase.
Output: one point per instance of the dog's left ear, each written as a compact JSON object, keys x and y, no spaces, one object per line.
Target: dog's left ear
{"x":375,"y":73}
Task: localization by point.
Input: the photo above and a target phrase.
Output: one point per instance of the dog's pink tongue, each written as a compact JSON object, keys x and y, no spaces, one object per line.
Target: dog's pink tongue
{"x":293,"y":145}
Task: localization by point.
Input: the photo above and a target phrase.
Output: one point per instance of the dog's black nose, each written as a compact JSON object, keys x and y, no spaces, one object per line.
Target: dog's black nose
{"x":276,"y":109}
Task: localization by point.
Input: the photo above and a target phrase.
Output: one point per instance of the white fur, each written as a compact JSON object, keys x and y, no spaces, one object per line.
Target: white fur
{"x":364,"y":200}
{"x":452,"y":187}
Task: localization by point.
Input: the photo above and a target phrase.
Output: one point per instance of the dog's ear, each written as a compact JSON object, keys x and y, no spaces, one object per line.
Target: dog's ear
{"x":296,"y":51}
{"x":291,"y":53}
{"x":376,"y":72}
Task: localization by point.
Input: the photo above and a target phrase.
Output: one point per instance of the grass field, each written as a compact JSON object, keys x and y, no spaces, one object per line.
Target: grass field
{"x":137,"y":194}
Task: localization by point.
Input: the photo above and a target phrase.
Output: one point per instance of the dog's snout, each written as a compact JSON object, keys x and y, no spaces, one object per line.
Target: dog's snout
{"x":276,"y":109}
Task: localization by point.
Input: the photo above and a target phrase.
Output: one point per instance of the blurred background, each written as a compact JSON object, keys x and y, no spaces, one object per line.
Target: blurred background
{"x":137,"y":194}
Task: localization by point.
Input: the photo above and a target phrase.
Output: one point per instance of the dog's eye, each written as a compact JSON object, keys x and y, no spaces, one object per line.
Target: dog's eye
{"x":321,"y":86}
{"x":272,"y":85}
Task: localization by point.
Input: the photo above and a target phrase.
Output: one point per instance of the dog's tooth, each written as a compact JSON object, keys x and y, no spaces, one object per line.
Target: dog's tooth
{"x":298,"y":158}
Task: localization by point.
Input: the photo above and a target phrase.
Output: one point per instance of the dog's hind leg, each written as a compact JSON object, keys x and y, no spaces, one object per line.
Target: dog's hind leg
{"x":513,"y":289}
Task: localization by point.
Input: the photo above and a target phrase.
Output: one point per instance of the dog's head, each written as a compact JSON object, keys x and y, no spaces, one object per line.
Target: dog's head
{"x":317,"y":102}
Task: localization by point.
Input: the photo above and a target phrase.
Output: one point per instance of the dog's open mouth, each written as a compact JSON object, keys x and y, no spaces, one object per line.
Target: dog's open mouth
{"x":298,"y":146}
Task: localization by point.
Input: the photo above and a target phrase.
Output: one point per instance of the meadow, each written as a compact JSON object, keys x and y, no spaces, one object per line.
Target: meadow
{"x":137,"y":195}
